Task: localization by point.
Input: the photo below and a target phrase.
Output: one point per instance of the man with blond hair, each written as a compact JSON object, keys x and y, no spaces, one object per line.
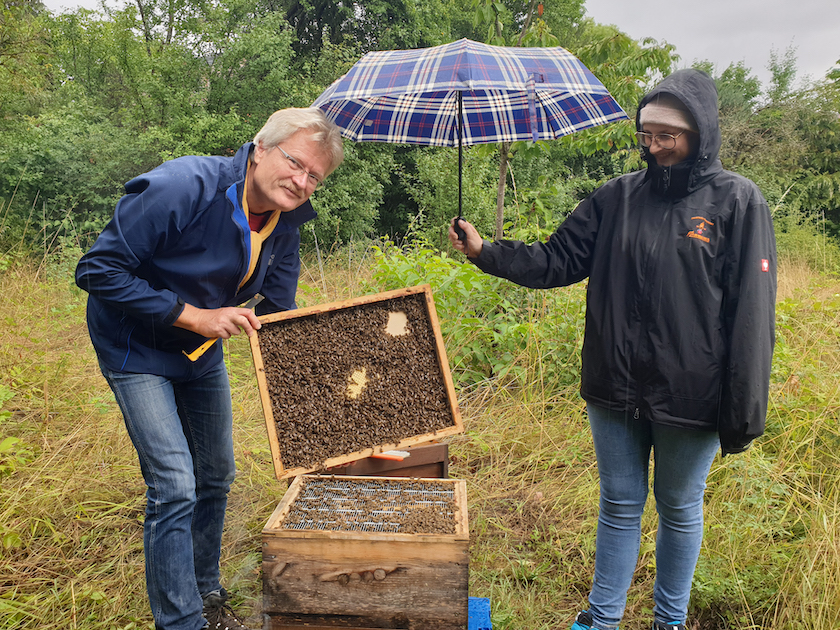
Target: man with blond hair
{"x":189,"y":242}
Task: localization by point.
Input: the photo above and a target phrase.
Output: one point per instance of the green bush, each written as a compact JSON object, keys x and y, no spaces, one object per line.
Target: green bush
{"x":492,"y":327}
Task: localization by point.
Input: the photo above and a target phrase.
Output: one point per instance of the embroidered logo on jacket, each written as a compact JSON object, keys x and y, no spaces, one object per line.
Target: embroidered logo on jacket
{"x":702,"y":230}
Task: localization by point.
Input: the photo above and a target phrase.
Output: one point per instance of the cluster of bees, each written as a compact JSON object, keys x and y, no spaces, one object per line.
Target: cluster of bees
{"x":410,"y":506}
{"x":339,"y":382}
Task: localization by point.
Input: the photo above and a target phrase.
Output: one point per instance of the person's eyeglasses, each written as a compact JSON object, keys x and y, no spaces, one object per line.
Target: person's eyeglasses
{"x":664,"y":140}
{"x":316,"y":183}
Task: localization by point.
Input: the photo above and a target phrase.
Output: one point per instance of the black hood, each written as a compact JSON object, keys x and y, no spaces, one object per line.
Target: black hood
{"x":698,"y":92}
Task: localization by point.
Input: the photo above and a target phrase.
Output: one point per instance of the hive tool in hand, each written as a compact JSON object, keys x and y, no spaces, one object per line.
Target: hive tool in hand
{"x":196,"y":354}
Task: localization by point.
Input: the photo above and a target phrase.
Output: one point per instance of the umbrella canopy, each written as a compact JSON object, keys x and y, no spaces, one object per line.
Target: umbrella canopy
{"x":509,"y":94}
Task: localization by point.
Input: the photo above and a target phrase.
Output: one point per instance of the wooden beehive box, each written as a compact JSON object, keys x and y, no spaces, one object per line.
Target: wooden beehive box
{"x":367,"y":552}
{"x":338,"y":383}
{"x":342,"y":381}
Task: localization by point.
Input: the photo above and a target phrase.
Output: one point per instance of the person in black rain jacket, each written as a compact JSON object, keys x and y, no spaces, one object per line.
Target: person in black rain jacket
{"x":681,"y":262}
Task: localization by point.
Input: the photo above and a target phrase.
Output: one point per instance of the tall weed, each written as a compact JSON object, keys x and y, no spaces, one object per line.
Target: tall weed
{"x":803,"y":238}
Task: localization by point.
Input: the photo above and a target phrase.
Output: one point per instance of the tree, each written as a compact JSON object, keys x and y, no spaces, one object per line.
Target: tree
{"x":142,"y":83}
{"x":25,"y":63}
{"x":833,"y":75}
{"x":508,"y":22}
{"x":789,"y":143}
{"x":819,"y":126}
{"x":369,"y":24}
{"x":738,"y":94}
{"x":737,"y":89}
{"x":349,"y":205}
{"x":783,"y":74}
{"x":255,"y":62}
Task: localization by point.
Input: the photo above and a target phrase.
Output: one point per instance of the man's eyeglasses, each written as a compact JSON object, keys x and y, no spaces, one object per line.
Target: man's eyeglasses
{"x":316,"y":183}
{"x":664,"y":140}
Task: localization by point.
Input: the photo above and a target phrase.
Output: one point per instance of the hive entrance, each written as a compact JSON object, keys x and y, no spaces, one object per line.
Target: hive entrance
{"x":410,"y":507}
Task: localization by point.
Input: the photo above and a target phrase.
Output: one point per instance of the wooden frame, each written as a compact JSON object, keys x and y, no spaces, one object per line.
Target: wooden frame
{"x":459,"y":487}
{"x":343,"y":458}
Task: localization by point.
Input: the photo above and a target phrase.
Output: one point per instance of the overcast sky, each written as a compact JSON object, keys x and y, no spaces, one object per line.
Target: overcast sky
{"x":729,"y":31}
{"x":720,"y":31}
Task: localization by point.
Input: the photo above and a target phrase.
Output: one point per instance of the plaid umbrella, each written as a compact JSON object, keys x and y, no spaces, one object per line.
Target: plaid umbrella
{"x":467,"y":93}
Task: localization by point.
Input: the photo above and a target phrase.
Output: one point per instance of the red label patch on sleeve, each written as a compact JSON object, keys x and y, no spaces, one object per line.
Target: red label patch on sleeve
{"x":765,"y":264}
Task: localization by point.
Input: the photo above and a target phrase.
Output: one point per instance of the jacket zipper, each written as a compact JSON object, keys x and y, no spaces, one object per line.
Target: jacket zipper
{"x":643,"y":304}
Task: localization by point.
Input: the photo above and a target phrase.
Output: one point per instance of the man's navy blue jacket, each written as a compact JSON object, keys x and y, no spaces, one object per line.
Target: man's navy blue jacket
{"x":180,"y":235}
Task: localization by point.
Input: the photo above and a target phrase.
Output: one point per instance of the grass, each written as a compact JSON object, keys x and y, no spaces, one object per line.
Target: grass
{"x":72,"y":498}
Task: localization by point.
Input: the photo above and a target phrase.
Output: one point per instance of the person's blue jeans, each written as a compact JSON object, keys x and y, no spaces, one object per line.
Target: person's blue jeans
{"x":682,"y":459}
{"x":182,"y":431}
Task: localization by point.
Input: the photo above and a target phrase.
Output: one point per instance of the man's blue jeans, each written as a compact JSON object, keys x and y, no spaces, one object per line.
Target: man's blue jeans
{"x":682,"y":459}
{"x":183,"y":434}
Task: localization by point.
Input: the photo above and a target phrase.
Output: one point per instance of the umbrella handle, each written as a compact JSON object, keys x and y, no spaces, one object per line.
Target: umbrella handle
{"x":462,"y":236}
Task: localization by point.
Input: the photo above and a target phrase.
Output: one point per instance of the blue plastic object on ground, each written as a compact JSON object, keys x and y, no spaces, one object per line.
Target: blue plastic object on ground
{"x":479,"y":619}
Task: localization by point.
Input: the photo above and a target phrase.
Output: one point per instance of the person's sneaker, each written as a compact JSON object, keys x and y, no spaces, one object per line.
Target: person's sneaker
{"x":219,"y":615}
{"x":674,"y":625}
{"x":583,"y":621}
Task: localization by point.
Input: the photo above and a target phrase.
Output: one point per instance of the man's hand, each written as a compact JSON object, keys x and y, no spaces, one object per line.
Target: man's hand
{"x":474,"y":243}
{"x":221,"y":323}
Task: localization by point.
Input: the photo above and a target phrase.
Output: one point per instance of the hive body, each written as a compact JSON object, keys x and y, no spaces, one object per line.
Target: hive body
{"x":368,"y":553}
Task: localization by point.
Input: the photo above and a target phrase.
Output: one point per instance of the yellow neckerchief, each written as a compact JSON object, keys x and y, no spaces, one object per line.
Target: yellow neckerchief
{"x":257,"y":238}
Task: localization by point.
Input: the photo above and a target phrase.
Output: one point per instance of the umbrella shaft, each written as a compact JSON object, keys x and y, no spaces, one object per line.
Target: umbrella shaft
{"x":460,"y":146}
